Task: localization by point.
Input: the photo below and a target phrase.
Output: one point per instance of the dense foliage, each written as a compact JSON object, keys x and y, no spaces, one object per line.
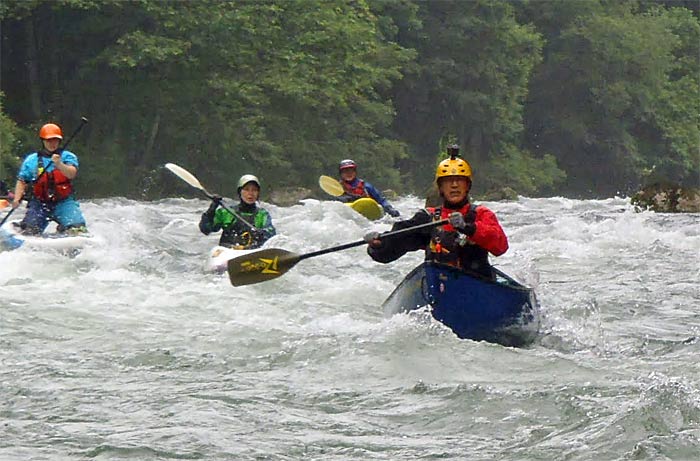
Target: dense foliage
{"x":561,"y":97}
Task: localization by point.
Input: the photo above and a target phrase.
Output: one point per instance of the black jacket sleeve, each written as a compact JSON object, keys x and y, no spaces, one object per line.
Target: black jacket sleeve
{"x":206,"y":223}
{"x":393,"y":248}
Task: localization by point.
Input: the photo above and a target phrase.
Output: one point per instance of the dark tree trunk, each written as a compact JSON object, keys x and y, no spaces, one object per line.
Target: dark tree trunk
{"x":33,"y":71}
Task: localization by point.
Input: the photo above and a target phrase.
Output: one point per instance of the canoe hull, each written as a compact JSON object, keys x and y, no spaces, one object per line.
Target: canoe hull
{"x":501,"y":311}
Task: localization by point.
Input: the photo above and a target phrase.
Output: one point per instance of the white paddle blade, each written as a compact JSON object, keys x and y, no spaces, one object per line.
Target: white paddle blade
{"x":184,"y":175}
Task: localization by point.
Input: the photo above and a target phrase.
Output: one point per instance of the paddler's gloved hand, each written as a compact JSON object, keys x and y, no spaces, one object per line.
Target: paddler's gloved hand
{"x":467,"y":227}
{"x":373,"y":239}
{"x":215,"y":202}
{"x":391,"y":211}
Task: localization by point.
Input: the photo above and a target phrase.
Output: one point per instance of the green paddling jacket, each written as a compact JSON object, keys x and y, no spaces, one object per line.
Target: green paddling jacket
{"x":236,"y":234}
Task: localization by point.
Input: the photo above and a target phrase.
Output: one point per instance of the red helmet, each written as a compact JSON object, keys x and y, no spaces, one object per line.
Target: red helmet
{"x":50,"y":131}
{"x":347,"y":163}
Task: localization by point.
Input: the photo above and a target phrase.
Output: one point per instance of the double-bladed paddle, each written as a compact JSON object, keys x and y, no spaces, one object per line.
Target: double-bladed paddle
{"x":330,"y":186}
{"x":190,"y":179}
{"x":264,"y":265}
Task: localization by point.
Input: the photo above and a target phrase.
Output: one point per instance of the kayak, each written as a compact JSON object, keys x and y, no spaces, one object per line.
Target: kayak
{"x":10,"y":239}
{"x":501,"y":311}
{"x":368,"y":208}
{"x":217,"y":260}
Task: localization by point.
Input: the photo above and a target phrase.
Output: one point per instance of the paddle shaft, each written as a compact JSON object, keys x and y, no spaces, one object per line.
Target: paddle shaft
{"x":83,"y":121}
{"x":7,"y":216}
{"x":381,"y":236}
{"x":271,"y":263}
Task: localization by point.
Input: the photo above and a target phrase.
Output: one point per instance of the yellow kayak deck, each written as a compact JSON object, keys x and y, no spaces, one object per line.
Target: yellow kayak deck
{"x":368,"y":208}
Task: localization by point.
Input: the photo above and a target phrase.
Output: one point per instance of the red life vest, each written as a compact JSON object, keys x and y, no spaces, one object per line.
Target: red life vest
{"x":447,"y":246}
{"x":52,"y":186}
{"x":357,"y":191}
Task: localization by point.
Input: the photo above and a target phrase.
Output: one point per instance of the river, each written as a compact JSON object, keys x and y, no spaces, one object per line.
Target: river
{"x":128,"y":350}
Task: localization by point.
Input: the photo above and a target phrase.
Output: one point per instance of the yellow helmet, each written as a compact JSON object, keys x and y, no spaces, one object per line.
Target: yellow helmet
{"x":453,"y":166}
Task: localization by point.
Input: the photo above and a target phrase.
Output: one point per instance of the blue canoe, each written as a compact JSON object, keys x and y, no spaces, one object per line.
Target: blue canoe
{"x":501,"y":311}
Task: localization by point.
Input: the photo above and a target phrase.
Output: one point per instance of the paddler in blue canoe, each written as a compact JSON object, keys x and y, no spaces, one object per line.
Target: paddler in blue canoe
{"x":46,"y":179}
{"x":248,"y":227}
{"x":355,"y":188}
{"x":473,"y":231}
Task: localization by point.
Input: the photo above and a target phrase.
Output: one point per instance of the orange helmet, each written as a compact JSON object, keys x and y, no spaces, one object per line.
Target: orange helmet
{"x":50,"y":131}
{"x":453,"y":166}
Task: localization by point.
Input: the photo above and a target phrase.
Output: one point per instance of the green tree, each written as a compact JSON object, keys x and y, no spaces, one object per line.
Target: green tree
{"x":471,"y":79}
{"x":283,"y":89}
{"x":675,"y":156}
{"x":615,"y":94}
{"x":8,"y":140}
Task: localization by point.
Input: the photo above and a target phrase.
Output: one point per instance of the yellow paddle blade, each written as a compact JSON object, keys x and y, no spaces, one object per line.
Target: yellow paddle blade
{"x":330,"y":186}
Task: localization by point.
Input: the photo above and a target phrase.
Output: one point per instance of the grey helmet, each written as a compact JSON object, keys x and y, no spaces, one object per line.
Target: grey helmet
{"x":245,"y":179}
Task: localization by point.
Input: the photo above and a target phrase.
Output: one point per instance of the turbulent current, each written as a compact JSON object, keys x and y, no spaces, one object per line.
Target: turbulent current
{"x":128,"y":350}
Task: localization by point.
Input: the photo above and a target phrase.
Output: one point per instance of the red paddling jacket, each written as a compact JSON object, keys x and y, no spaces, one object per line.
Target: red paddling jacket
{"x":444,"y":244}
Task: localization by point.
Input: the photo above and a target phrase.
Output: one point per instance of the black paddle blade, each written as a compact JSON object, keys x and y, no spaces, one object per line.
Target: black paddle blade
{"x":260,"y":266}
